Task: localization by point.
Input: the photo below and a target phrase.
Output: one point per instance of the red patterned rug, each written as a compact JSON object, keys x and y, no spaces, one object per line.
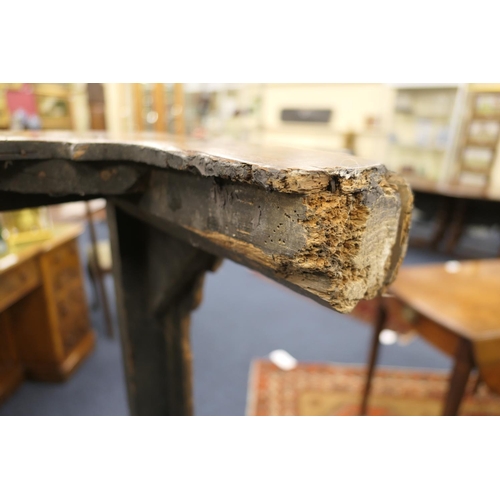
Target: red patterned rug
{"x":313,"y":389}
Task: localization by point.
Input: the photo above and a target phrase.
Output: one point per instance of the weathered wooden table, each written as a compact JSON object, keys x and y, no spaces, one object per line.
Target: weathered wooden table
{"x":329,"y":226}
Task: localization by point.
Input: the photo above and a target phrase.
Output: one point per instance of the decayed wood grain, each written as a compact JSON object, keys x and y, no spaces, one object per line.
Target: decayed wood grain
{"x":336,"y":247}
{"x":331,"y":226}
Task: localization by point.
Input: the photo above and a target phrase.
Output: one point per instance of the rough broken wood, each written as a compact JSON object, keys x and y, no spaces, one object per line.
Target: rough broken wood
{"x":329,"y":226}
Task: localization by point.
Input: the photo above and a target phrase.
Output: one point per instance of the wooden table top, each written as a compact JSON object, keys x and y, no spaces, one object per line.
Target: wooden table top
{"x":328,"y":225}
{"x":21,"y":253}
{"x":463,"y":297}
{"x":453,"y":190}
{"x":282,"y":168}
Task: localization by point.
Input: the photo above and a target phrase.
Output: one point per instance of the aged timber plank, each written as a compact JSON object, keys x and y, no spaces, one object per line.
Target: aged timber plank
{"x":335,"y":247}
{"x":331,"y":226}
{"x":280,"y":168}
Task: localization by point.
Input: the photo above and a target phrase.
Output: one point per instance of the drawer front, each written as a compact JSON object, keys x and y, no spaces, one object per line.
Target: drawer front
{"x":64,"y":264}
{"x":73,"y":315}
{"x":17,"y":282}
{"x":64,"y":281}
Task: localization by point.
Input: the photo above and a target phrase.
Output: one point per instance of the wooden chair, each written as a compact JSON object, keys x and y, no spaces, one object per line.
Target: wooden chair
{"x":454,"y":306}
{"x":98,"y":265}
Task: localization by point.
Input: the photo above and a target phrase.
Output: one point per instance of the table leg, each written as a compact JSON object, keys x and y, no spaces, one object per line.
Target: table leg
{"x":443,"y":217}
{"x":457,"y":225}
{"x":463,"y":365}
{"x":372,"y":359}
{"x":477,"y":384}
{"x":158,"y":281}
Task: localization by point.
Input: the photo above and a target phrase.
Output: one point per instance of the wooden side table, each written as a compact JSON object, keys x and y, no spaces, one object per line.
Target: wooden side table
{"x":454,"y":306}
{"x":45,"y":330}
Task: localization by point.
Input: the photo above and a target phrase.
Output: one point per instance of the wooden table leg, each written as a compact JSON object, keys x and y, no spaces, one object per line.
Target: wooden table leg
{"x":372,"y":359}
{"x":158,"y":281}
{"x":457,"y":225}
{"x":477,"y":383}
{"x":464,"y":363}
{"x":443,"y":217}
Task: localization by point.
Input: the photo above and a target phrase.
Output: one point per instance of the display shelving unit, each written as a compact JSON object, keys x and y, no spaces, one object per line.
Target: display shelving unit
{"x":425,"y":129}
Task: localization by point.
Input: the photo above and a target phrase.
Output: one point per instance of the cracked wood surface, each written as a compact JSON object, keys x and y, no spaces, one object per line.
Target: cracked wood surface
{"x":331,"y":226}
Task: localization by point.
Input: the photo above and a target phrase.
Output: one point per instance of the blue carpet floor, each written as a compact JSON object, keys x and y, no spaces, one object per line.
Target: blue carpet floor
{"x":243,"y":316}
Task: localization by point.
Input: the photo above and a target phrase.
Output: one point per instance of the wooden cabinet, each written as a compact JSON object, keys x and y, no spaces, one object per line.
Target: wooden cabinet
{"x":45,"y":329}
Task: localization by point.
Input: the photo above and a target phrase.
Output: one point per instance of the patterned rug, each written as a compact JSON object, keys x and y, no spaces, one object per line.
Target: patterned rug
{"x":325,"y":389}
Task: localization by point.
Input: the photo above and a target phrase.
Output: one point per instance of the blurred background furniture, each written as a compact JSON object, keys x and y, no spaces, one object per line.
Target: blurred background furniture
{"x":45,"y":328}
{"x":159,"y":107}
{"x":451,"y":208}
{"x":96,"y":253}
{"x":454,"y":306}
{"x":481,"y":132}
{"x":99,"y":264}
{"x":424,"y":129}
{"x":99,"y":252}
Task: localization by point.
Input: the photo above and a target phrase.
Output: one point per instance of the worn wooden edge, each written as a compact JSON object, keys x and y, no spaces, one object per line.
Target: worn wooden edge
{"x":340,"y":245}
{"x":280,"y":168}
{"x":335,"y":247}
{"x":338,"y":234}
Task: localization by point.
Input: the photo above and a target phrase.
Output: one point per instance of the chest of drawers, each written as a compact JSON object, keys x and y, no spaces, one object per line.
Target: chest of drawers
{"x":45,"y":330}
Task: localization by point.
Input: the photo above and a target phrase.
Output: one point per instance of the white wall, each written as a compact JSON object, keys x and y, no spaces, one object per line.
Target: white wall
{"x":351,"y":105}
